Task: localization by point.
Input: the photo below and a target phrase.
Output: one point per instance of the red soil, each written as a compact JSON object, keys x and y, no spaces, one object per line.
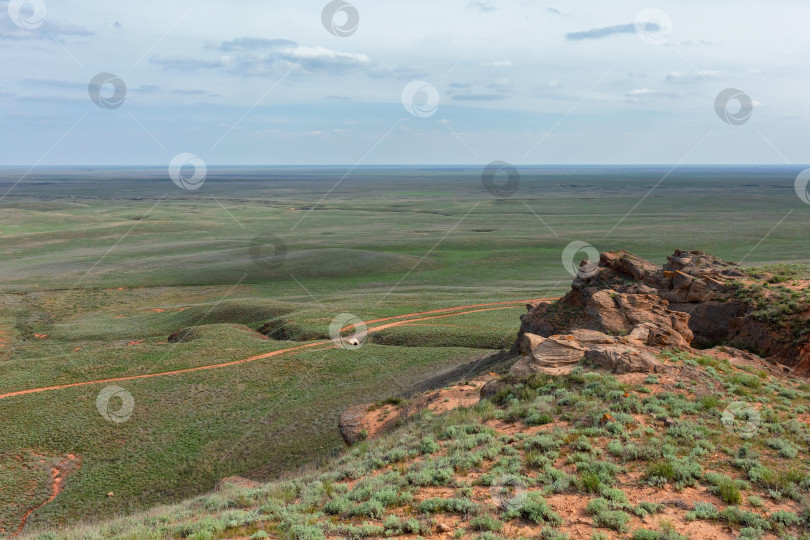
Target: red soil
{"x":58,"y":474}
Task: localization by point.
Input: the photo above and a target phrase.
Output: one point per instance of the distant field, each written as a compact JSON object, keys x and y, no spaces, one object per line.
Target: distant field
{"x":100,"y":267}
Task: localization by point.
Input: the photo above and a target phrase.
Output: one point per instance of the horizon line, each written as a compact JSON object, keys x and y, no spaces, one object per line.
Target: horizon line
{"x":412,"y":165}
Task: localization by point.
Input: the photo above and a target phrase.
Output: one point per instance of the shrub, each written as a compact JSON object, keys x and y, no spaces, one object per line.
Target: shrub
{"x":703,"y":510}
{"x":750,"y":533}
{"x":756,"y":501}
{"x":534,"y":508}
{"x":487,"y":536}
{"x":612,"y":519}
{"x":306,"y":532}
{"x":536,"y":460}
{"x":337,"y":506}
{"x":725,"y":487}
{"x":431,"y":476}
{"x":486,"y":523}
{"x":614,"y":495}
{"x":550,"y":534}
{"x":582,"y":444}
{"x":605,"y":470}
{"x":682,"y":471}
{"x":537,"y":418}
{"x":785,"y":448}
{"x":735,"y":516}
{"x":659,"y":473}
{"x":646,"y":534}
{"x":788,"y":519}
{"x":428,"y":445}
{"x":597,"y":506}
{"x":544,"y":443}
{"x":589,"y":481}
{"x":372,"y":509}
{"x":395,"y":526}
{"x":452,"y":505}
{"x":615,"y":448}
{"x":643,"y":509}
{"x":392,"y":497}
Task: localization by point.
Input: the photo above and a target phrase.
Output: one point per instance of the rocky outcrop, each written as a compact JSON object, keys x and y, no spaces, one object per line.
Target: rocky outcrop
{"x":561,"y":354}
{"x":687,"y":302}
{"x":368,"y":421}
{"x":354,"y":423}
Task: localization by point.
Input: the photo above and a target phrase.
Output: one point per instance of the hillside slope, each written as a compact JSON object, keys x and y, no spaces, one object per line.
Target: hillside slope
{"x":608,"y":425}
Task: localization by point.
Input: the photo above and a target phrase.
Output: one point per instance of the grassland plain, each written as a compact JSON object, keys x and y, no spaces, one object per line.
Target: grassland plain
{"x":100,"y":267}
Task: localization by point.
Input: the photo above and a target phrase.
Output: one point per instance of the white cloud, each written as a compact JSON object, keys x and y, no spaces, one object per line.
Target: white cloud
{"x":498,"y":64}
{"x":694,"y":77}
{"x":320,"y":56}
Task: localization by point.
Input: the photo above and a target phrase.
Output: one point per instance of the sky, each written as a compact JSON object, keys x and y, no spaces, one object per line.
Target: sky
{"x":313,"y":82}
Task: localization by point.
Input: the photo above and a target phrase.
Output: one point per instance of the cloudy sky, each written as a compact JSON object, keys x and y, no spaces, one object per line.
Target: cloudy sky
{"x":417,"y":82}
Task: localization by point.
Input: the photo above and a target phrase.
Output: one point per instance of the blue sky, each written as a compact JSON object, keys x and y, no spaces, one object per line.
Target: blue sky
{"x":527,"y":82}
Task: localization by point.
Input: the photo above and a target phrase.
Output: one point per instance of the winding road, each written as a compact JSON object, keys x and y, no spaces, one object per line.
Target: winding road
{"x":397,"y":320}
{"x":408,"y":318}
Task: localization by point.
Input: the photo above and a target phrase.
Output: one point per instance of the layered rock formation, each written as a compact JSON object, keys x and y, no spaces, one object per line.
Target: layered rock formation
{"x":687,"y":302}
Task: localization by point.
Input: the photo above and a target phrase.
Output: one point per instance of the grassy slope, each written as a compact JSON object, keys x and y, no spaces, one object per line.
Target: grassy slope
{"x":663,"y":466}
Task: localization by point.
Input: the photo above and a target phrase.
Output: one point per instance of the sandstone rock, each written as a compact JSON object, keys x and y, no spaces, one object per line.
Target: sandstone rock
{"x":646,"y":289}
{"x":554,"y":355}
{"x":623,"y":359}
{"x":655,"y":335}
{"x":674,"y":296}
{"x":533,"y":322}
{"x":627,"y":263}
{"x":605,"y":315}
{"x":493,"y":387}
{"x":700,"y":291}
{"x":681,"y":281}
{"x":618,"y":313}
{"x":592,"y":337}
{"x":711,"y":321}
{"x":351,"y":424}
{"x":679,"y":262}
{"x":687,"y":299}
{"x":529,"y":342}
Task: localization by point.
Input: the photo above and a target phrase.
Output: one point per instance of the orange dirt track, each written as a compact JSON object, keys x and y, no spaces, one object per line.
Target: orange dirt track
{"x":459,"y":310}
{"x":57,"y":476}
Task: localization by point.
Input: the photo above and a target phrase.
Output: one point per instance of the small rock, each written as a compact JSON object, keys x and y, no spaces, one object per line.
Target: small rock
{"x":110,"y":494}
